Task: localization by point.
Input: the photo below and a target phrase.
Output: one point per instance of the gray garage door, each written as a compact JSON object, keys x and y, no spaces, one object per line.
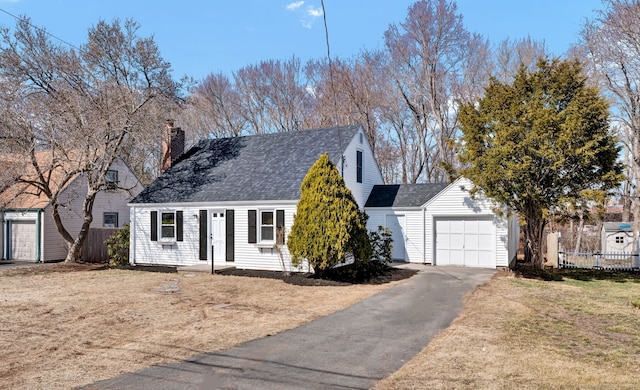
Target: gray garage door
{"x":23,"y":240}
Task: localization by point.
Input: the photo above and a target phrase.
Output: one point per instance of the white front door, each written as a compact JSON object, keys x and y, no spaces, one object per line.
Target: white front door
{"x":396,"y":223}
{"x":218,"y":237}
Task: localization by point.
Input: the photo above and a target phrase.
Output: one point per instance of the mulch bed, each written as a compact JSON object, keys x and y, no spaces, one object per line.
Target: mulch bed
{"x":389,"y":274}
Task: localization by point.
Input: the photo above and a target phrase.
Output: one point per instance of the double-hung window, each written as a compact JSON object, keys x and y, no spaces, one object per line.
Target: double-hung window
{"x":111,"y":179}
{"x":267,"y":225}
{"x":168,"y":225}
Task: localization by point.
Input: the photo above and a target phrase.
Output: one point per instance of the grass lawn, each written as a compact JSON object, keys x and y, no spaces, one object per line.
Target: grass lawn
{"x":581,"y":330}
{"x":62,"y":326}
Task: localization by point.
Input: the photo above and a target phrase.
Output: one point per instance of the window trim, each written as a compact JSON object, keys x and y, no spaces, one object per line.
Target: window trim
{"x":161,"y":225}
{"x":110,"y":213}
{"x":260,"y":225}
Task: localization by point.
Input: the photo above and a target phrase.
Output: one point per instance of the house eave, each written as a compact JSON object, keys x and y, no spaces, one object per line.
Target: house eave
{"x":215,"y":204}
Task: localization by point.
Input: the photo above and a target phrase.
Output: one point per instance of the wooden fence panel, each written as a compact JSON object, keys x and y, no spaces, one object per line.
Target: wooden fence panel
{"x":95,"y":250}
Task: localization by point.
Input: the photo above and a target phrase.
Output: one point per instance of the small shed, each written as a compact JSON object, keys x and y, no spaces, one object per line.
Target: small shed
{"x":617,"y":237}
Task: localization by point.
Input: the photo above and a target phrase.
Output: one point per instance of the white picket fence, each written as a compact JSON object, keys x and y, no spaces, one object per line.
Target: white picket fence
{"x":620,"y":261}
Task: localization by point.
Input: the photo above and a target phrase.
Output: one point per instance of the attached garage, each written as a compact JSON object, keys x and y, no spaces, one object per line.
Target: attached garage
{"x":440,"y":224}
{"x":466,"y":231}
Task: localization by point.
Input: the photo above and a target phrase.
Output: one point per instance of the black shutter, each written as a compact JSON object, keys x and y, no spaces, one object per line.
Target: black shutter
{"x":178,"y":225}
{"x":253,"y":237}
{"x":230,"y":235}
{"x":203,"y":235}
{"x":279,"y":227}
{"x":154,"y":226}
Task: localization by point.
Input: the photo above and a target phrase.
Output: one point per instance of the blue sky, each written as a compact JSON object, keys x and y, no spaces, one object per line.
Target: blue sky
{"x":199,"y":37}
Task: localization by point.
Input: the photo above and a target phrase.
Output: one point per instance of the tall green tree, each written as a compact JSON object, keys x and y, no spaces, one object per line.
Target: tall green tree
{"x":542,"y":142}
{"x":328,"y":224}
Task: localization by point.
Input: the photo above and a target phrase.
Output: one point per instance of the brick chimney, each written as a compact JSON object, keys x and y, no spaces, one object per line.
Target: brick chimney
{"x":172,"y":144}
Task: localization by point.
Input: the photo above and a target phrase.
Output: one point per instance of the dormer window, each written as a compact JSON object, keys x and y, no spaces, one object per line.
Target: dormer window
{"x":111,"y":179}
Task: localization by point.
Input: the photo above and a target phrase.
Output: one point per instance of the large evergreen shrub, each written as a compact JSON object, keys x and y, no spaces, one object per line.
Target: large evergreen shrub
{"x":328,"y":225}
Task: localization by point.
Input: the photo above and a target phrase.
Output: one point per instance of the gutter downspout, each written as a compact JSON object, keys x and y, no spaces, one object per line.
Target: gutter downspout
{"x":424,"y":236}
{"x":132,"y":236}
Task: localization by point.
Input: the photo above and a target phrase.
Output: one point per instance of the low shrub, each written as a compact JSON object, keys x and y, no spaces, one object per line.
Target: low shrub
{"x":118,"y":247}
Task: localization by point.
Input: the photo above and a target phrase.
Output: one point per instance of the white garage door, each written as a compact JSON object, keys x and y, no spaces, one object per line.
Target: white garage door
{"x":466,"y":242}
{"x":23,"y":240}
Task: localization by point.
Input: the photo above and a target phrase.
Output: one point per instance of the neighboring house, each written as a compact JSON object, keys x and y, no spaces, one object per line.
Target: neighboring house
{"x":28,"y":231}
{"x":617,"y":237}
{"x":441,"y":224}
{"x":226,"y":200}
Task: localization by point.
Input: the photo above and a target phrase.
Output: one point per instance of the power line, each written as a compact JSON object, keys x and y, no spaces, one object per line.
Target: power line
{"x":333,"y":90}
{"x":41,"y":29}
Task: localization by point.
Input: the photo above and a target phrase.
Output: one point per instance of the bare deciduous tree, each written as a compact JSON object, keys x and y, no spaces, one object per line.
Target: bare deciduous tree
{"x":429,"y":54}
{"x":71,"y":112}
{"x":610,"y":49}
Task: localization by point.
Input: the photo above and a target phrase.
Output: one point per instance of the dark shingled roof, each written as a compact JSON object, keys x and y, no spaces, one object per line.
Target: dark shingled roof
{"x":403,"y":195}
{"x":259,"y":167}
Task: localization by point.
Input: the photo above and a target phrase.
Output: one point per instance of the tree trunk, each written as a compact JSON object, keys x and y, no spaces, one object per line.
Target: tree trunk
{"x":579,"y":232}
{"x":75,"y":250}
{"x":533,"y":231}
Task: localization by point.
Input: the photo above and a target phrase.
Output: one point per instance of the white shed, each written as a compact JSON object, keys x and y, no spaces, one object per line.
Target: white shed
{"x":617,"y":237}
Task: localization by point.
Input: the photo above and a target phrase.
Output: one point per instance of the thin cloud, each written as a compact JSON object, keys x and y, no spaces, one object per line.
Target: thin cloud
{"x":308,"y":14}
{"x":294,"y":6}
{"x":311,"y":14}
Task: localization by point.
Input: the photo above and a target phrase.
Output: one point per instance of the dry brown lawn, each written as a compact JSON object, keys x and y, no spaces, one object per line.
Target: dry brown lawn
{"x":65,"y":329}
{"x":517,"y":333}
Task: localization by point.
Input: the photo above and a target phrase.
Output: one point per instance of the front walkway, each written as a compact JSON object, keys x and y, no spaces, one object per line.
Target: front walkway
{"x":350,"y":349}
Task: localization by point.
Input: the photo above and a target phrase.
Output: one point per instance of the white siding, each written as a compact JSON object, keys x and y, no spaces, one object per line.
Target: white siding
{"x":116,"y":201}
{"x":370,"y":171}
{"x":414,"y":231}
{"x":247,"y":256}
{"x":455,"y":201}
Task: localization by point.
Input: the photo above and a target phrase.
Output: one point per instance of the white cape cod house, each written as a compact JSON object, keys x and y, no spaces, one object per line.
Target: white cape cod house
{"x":224,"y":200}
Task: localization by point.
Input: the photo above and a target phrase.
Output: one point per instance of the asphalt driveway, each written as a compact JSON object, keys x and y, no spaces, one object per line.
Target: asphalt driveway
{"x":350,"y":349}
